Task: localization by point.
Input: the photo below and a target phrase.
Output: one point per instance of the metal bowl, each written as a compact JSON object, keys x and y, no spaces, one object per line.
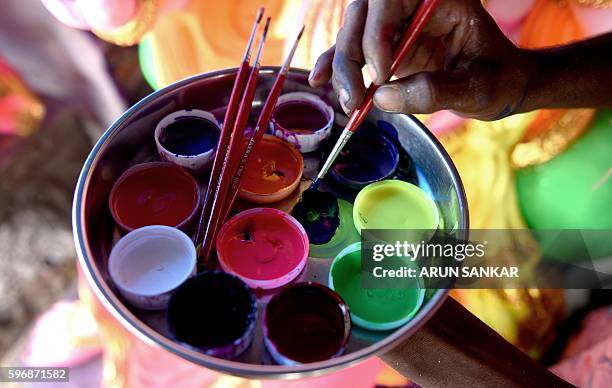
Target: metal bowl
{"x":130,"y":140}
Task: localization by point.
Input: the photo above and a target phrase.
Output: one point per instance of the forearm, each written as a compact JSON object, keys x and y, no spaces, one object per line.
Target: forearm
{"x":578,"y":75}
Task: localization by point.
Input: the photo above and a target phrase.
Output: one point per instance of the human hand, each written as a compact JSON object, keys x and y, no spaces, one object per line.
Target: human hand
{"x":462,"y":61}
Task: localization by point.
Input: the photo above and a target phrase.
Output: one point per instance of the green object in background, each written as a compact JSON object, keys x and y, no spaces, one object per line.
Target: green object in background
{"x":572,"y":191}
{"x":372,"y":308}
{"x":147,"y":63}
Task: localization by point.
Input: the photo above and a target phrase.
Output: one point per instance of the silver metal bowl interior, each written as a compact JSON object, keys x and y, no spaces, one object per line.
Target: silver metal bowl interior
{"x":130,"y":141}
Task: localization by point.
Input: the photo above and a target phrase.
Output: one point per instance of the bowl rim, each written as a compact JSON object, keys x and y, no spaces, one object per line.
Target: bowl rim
{"x":119,"y":311}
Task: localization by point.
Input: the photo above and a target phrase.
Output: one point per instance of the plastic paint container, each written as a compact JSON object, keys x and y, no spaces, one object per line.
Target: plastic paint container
{"x":188,"y":138}
{"x":215,"y":313}
{"x":306,"y":322}
{"x":345,"y":234}
{"x":373,"y":309}
{"x":394,"y":204}
{"x":273,"y":172}
{"x":155,"y":193}
{"x":264,"y":247}
{"x":302,"y":119}
{"x":369,"y":157}
{"x":149,"y":263}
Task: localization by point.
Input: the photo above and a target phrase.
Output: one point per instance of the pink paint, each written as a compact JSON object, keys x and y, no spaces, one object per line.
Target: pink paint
{"x":264,"y":247}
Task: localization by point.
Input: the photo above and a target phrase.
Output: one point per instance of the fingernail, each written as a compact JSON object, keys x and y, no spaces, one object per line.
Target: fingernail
{"x":372,"y":71}
{"x":344,"y":99}
{"x":311,"y":76}
{"x":389,"y":98}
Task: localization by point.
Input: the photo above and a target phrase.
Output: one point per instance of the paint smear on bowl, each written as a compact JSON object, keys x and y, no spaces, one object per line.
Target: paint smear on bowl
{"x":319,"y":214}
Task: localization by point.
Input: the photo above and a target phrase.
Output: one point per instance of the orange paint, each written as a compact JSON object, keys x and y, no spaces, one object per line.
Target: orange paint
{"x":273,"y":172}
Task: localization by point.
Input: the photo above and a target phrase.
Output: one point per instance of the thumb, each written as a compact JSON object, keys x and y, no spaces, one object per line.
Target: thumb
{"x":426,"y":92}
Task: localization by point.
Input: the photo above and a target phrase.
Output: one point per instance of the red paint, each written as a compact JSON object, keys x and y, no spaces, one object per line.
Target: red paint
{"x":264,"y":247}
{"x":154,"y":194}
{"x":273,"y":171}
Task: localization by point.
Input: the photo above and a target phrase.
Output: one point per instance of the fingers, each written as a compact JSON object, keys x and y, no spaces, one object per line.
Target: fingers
{"x":322,"y":71}
{"x":428,"y":92}
{"x":348,"y":57}
{"x":383,"y":21}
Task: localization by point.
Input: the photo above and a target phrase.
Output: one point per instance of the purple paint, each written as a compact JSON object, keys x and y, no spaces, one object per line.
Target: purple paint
{"x":369,"y":157}
{"x":299,"y":117}
{"x":213,"y":312}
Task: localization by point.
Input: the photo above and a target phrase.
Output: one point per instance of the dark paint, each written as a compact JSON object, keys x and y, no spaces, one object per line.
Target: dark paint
{"x":307,"y":322}
{"x":318,"y":212}
{"x":214,"y":312}
{"x":189,"y":136}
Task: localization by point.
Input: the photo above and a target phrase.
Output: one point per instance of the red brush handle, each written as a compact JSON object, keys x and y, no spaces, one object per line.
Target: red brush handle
{"x":419,"y":20}
{"x":228,"y":125}
{"x":260,"y":130}
{"x":229,"y":164}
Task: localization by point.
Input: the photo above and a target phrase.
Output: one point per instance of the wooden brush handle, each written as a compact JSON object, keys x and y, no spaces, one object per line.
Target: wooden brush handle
{"x":456,"y":349}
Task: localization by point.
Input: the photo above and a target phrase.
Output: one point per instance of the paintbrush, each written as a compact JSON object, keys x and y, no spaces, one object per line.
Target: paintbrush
{"x":231,"y":157}
{"x":228,"y":125}
{"x":261,"y":126}
{"x":407,"y":41}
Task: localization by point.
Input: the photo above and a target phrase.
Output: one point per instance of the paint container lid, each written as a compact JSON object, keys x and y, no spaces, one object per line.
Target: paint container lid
{"x":188,"y":138}
{"x":266,"y":248}
{"x":306,"y":322}
{"x":345,"y":235}
{"x":215,"y":313}
{"x":147,"y":264}
{"x":369,"y":157}
{"x":394,"y":204}
{"x":273,"y":172}
{"x":373,"y":309}
{"x":155,"y":193}
{"x":302,"y":119}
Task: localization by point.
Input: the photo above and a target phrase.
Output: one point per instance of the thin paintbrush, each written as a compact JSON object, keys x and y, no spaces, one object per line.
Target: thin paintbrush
{"x":228,"y":125}
{"x":232,"y":154}
{"x":261,"y":126}
{"x":408,"y":40}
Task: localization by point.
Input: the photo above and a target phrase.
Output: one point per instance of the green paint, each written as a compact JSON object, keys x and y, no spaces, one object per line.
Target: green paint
{"x":374,"y":309}
{"x":394,"y":204}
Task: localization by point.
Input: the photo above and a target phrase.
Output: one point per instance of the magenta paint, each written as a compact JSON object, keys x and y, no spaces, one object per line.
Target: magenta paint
{"x":306,"y":322}
{"x":215,"y":313}
{"x":302,"y":119}
{"x":264,"y":247}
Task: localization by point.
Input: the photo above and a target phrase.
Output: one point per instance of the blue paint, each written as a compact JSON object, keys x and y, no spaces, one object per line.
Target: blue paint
{"x":369,"y":156}
{"x":189,"y":135}
{"x":319,"y":214}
